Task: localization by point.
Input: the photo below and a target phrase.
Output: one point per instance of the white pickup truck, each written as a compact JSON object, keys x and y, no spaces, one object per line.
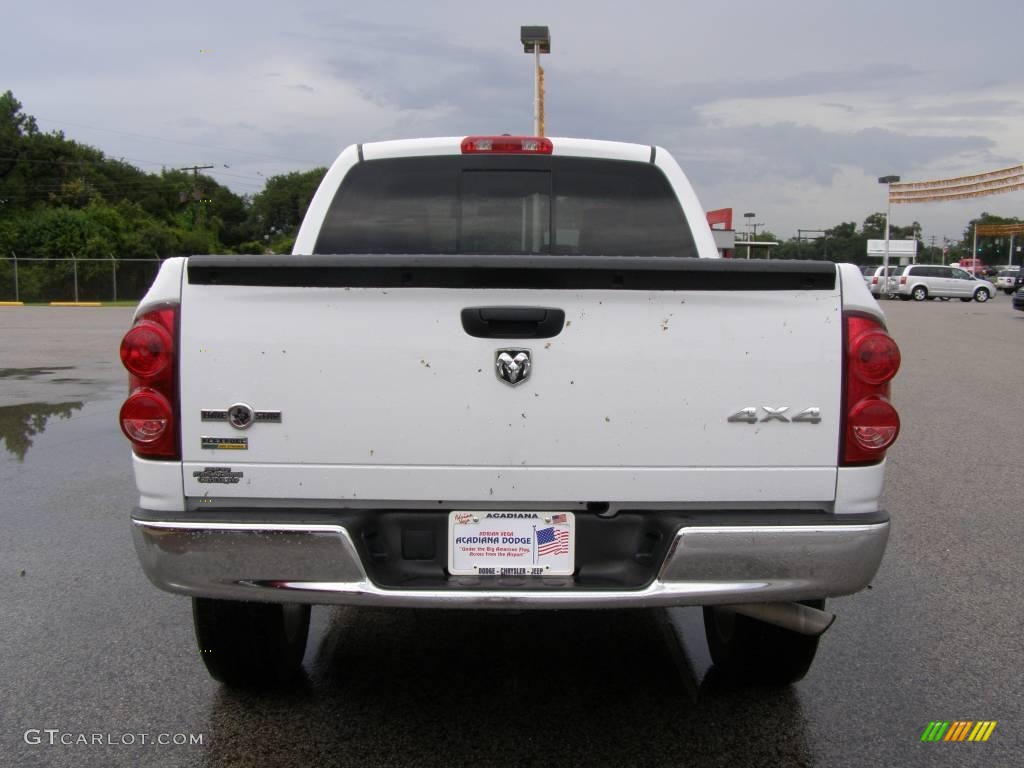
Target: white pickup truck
{"x":508,"y":372}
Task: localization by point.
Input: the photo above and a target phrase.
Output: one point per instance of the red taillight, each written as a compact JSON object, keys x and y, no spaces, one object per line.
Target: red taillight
{"x":903,"y":279}
{"x":874,"y":356}
{"x":148,"y":417}
{"x":507,"y":145}
{"x":874,"y":280}
{"x":146,"y":350}
{"x":873,"y":424}
{"x":870,"y":423}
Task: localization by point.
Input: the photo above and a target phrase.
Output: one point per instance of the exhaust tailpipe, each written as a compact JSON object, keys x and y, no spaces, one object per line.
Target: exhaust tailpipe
{"x":796,"y":617}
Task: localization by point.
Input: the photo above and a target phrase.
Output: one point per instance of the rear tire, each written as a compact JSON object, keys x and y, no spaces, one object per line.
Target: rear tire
{"x":920,"y":293}
{"x":981,"y":295}
{"x":251,"y":645}
{"x":749,"y":651}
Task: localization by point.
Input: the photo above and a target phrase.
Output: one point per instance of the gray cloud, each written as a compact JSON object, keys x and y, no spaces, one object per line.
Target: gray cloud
{"x":967,"y":110}
{"x":438,"y":69}
{"x":790,"y":151}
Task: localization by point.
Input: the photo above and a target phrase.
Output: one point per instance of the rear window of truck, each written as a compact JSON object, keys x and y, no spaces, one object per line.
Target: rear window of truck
{"x":506,"y":205}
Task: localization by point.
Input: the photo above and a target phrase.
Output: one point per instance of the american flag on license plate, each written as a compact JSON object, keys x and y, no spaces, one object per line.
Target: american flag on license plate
{"x":559,"y":519}
{"x":552,"y":541}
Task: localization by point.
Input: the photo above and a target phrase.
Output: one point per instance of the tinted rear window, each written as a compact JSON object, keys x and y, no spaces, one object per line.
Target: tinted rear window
{"x":506,"y":205}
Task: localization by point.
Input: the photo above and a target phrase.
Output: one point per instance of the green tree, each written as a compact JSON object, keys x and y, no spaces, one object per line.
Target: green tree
{"x":282,"y":204}
{"x":991,"y":250}
{"x":874,"y":227}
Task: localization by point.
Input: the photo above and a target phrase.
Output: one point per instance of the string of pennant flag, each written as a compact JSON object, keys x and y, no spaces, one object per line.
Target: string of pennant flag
{"x":959,"y":187}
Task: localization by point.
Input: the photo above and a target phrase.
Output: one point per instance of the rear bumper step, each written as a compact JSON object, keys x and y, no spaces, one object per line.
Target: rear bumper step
{"x":321,"y":563}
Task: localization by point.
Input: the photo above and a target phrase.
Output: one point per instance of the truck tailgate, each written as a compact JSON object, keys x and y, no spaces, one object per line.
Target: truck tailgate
{"x":384,"y":396}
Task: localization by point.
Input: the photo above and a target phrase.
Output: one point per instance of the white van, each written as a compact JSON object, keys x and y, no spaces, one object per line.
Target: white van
{"x":924,"y":281}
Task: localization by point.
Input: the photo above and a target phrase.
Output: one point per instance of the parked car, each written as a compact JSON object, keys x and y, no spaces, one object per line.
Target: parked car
{"x":924,"y":281}
{"x":873,"y":279}
{"x":1018,"y":299}
{"x":1007,"y":279}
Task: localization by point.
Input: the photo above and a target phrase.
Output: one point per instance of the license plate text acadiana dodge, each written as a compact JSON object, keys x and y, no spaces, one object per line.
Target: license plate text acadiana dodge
{"x":511,"y":543}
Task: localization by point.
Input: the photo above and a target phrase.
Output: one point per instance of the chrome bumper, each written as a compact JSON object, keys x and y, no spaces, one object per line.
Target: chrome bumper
{"x":317,"y":563}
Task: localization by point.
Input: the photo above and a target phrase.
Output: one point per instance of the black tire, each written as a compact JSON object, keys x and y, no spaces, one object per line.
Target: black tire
{"x":920,"y":293}
{"x":251,"y":645}
{"x":749,"y":651}
{"x":981,"y":296}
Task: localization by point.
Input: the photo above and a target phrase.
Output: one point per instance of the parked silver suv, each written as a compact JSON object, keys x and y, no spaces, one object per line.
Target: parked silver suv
{"x":1006,"y":280}
{"x":873,"y":279}
{"x":926,"y":281}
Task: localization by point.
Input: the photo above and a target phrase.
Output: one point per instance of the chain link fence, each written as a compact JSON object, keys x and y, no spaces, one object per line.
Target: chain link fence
{"x":69,"y":278}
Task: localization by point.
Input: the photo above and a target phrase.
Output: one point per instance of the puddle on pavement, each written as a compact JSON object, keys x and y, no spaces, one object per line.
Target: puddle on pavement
{"x":20,"y":423}
{"x":27,"y":373}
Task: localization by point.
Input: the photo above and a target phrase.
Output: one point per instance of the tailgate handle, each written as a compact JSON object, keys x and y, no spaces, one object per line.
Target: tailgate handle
{"x":512,"y":322}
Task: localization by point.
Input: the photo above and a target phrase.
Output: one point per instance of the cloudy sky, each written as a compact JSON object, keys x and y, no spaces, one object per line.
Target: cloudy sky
{"x":788,"y":109}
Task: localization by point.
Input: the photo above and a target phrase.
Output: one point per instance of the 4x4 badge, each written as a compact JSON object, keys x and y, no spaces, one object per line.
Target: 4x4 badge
{"x":749,"y":415}
{"x":512,"y":365}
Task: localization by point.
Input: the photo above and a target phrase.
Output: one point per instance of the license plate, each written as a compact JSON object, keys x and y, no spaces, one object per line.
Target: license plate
{"x":511,"y":543}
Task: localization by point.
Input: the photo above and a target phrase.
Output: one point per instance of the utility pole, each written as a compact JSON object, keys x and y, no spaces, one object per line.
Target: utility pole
{"x":195,"y":188}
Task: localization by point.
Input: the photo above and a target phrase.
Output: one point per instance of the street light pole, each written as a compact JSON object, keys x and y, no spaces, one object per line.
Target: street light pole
{"x":536,"y":40}
{"x":888,"y":181}
{"x":16,"y":297}
{"x":537,"y":90}
{"x":748,"y":216}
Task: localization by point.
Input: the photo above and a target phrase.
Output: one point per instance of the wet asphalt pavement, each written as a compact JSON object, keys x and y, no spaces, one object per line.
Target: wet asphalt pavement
{"x":90,"y":647}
